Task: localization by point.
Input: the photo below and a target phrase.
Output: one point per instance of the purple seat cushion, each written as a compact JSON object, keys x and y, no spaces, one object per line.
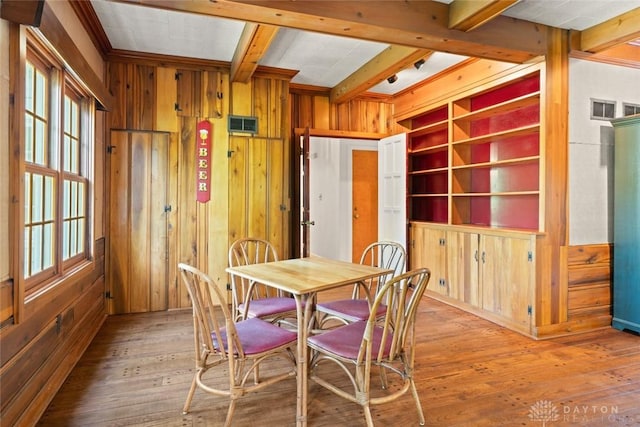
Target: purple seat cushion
{"x":265,"y":307}
{"x":345,"y":341}
{"x":257,"y":336}
{"x":351,"y":309}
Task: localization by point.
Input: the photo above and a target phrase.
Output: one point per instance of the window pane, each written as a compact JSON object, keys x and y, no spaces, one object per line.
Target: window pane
{"x":49,"y":205}
{"x":27,"y":251}
{"x":28,"y":95}
{"x":65,"y":240}
{"x":27,"y":198}
{"x":36,"y":248}
{"x":40,"y":143}
{"x":81,"y":207}
{"x":75,"y":121}
{"x":75,"y":163}
{"x":74,"y":199}
{"x":28,"y":138}
{"x":47,"y":246}
{"x":66,"y":202}
{"x":80,"y":247}
{"x":73,"y":240}
{"x":67,"y":153}
{"x":37,"y":196}
{"x":67,"y":115}
{"x":40,"y":94}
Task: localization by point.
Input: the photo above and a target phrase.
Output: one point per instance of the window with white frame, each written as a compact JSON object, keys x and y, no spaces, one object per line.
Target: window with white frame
{"x":630,"y":109}
{"x":57,"y":116}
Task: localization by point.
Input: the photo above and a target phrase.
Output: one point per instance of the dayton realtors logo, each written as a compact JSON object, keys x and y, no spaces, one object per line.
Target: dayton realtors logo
{"x":545,"y":412}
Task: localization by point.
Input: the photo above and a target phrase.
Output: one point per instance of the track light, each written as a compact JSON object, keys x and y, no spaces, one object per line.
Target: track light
{"x":392,"y":79}
{"x":418,"y":64}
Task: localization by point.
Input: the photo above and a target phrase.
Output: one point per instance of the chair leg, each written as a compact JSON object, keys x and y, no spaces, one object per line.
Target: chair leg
{"x":192,"y":390}
{"x":414,"y":391}
{"x":367,"y":415}
{"x":232,"y":407}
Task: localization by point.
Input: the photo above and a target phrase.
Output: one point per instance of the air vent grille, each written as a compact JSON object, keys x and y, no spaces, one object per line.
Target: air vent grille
{"x":243,"y":124}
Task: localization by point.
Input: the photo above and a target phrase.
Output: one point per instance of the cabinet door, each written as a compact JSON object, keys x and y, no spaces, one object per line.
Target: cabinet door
{"x":507,"y":268}
{"x":463,"y":266}
{"x":429,"y":249}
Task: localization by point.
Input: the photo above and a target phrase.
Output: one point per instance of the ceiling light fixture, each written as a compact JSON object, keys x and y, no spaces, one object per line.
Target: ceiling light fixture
{"x":392,"y":79}
{"x":418,"y":64}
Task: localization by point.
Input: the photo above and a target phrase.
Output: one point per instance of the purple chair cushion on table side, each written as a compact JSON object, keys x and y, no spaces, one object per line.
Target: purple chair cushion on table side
{"x":265,"y":307}
{"x":353,"y":309}
{"x":344,"y":341}
{"x":257,"y":336}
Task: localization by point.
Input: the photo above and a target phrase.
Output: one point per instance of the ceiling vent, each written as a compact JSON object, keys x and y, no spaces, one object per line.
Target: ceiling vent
{"x":243,"y":124}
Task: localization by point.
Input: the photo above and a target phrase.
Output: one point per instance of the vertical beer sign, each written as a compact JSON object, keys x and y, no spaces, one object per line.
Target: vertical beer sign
{"x":203,"y":161}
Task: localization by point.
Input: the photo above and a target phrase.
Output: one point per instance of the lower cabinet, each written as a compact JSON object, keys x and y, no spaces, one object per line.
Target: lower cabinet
{"x":488,"y":272}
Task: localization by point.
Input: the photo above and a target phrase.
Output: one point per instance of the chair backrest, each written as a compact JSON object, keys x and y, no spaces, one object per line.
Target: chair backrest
{"x":247,"y":251}
{"x":208,"y":314}
{"x":404,"y":293}
{"x":385,"y":254}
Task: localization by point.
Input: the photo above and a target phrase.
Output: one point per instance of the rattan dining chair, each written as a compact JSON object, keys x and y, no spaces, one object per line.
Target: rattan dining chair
{"x":384,"y":254}
{"x":235,"y":349}
{"x":388,"y":343}
{"x":251,"y":299}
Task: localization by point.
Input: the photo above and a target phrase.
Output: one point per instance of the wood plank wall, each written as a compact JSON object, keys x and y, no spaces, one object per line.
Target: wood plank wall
{"x":37,"y":354}
{"x":364,"y":114}
{"x":250,"y":194}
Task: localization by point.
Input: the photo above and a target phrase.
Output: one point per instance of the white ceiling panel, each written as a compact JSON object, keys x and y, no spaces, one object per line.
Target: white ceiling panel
{"x":322,"y":60}
{"x":150,"y":30}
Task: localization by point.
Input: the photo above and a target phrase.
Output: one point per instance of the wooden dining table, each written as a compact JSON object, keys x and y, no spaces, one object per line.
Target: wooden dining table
{"x":303,"y":278}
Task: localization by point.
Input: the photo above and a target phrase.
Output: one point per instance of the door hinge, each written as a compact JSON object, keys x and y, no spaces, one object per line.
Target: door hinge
{"x":110,"y":148}
{"x":177,"y":76}
{"x":229,"y":152}
{"x":176,"y":107}
{"x":529,"y":310}
{"x":530,"y":256}
{"x":228,"y":286}
{"x":108,"y":295}
{"x":167,"y":208}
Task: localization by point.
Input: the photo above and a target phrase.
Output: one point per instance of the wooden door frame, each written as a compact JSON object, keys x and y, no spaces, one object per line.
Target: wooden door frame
{"x":296,"y":185}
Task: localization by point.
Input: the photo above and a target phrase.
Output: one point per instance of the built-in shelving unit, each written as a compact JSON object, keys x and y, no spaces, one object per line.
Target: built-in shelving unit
{"x":476,"y":160}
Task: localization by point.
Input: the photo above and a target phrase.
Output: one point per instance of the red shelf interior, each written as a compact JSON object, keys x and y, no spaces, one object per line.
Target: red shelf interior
{"x":430,"y":118}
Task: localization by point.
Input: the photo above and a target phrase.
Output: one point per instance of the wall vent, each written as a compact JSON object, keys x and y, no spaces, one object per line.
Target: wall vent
{"x":602,"y":110}
{"x":243,"y":124}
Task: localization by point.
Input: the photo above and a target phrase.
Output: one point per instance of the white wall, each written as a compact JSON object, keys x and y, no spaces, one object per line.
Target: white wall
{"x":330,"y":194}
{"x":591,"y":146}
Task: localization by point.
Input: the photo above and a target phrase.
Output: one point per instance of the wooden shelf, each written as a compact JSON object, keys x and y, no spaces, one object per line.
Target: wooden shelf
{"x":501,"y":194}
{"x":428,"y":171}
{"x":434,"y":127}
{"x":507,"y":107}
{"x":500,"y":163}
{"x":419,"y":195}
{"x":499,"y":136}
{"x":433,"y":149}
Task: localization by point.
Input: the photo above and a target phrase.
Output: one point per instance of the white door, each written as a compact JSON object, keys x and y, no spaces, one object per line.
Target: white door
{"x":392,"y":189}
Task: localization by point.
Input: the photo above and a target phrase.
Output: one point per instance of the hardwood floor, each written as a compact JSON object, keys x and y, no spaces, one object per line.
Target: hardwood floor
{"x":470,"y":373}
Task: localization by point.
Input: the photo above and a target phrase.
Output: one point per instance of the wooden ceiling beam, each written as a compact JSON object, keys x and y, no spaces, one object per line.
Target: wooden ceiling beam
{"x":466,"y":15}
{"x":254,"y":43}
{"x":418,"y":24}
{"x":620,"y":29}
{"x":387,"y":63}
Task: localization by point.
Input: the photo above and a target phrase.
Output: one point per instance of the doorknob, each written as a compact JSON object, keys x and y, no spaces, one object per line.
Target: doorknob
{"x":307,"y":223}
{"x":356,"y":216}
